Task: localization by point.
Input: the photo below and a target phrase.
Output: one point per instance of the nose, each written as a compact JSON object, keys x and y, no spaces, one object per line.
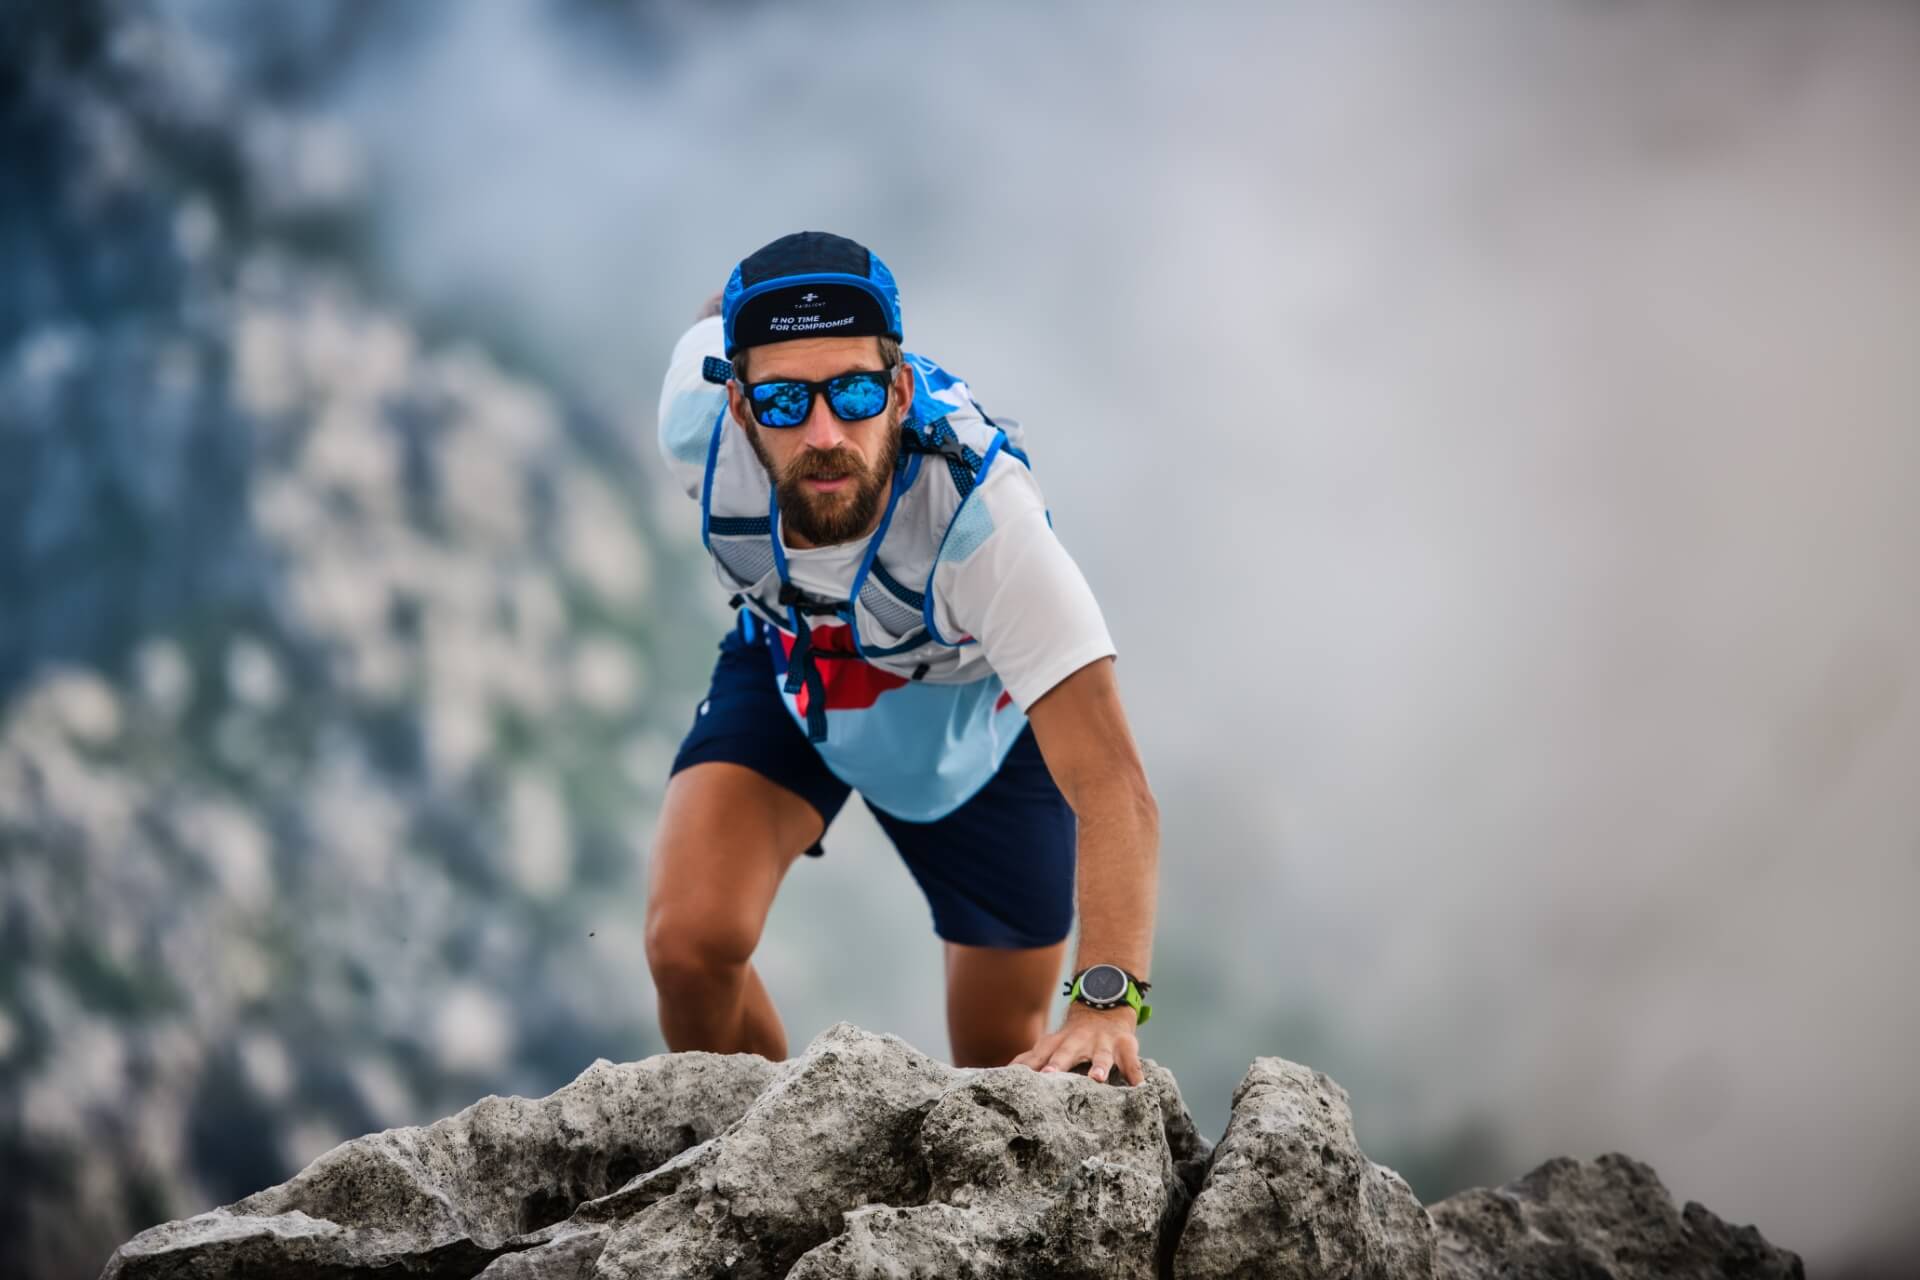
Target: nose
{"x":822,"y":430}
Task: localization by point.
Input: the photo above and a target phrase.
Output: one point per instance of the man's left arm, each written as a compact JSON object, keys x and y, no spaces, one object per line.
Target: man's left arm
{"x":1024,"y":599}
{"x":1082,"y":731}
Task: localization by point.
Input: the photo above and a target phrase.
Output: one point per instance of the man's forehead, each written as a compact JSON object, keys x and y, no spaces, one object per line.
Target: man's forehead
{"x":812,"y":358}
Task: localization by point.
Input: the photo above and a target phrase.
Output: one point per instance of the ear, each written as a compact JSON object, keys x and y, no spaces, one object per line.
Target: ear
{"x":903,"y":387}
{"x":736,"y":404}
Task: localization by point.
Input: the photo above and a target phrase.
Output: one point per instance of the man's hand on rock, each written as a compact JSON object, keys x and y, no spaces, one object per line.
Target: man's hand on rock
{"x":1103,"y":1037}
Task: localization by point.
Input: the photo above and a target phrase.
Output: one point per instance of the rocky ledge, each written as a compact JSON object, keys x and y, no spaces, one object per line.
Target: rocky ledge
{"x":863,"y":1157}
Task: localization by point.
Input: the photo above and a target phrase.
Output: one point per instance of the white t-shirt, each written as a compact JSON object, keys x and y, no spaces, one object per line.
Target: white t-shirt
{"x":1021,"y":596}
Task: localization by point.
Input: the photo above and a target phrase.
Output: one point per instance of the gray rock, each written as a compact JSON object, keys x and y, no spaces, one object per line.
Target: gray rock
{"x":836,"y":1130}
{"x":1604,"y":1219}
{"x":569,"y":1255}
{"x":1290,"y":1194}
{"x":1030,"y":1175}
{"x":445,"y":1198}
{"x":864,"y":1159}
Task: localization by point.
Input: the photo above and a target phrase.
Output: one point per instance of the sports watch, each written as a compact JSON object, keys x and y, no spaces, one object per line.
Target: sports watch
{"x":1108,"y":986}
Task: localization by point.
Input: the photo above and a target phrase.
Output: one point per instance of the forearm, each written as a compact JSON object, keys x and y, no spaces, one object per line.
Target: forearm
{"x":1083,"y":734}
{"x":1118,"y":875}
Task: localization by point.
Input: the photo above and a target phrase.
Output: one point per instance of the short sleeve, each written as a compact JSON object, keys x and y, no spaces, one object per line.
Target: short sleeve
{"x":1017,"y":591}
{"x":690,"y":405}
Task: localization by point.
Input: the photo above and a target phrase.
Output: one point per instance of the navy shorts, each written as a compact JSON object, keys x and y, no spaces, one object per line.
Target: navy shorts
{"x":997,"y":872}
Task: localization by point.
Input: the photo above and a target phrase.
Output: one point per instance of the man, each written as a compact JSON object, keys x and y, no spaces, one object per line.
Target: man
{"x":909,"y":627}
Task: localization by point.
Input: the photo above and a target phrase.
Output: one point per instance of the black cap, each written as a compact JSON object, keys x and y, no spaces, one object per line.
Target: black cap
{"x":811,"y":284}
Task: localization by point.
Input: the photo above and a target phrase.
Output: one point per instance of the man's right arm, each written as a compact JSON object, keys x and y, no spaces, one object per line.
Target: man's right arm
{"x":689,"y":404}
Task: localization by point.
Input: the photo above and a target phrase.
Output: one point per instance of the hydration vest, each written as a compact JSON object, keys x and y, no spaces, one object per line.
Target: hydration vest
{"x":948,"y":445}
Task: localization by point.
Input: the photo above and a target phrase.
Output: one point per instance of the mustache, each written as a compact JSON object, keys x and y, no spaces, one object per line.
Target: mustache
{"x":826,"y":464}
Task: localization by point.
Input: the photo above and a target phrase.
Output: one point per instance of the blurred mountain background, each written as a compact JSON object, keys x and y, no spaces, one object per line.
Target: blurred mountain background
{"x":1489,"y":428}
{"x":328,"y":656}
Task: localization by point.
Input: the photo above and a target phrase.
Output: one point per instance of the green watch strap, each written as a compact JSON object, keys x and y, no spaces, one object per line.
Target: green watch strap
{"x":1141,"y":1009}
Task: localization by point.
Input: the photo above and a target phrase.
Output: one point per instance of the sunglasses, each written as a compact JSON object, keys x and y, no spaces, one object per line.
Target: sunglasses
{"x":853,"y":397}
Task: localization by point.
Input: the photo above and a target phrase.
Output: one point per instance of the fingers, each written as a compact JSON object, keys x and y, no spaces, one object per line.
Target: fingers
{"x":1037,"y":1056}
{"x":1130,"y":1061}
{"x":1065,"y":1051}
{"x":1121,"y":1051}
{"x":1069,"y":1055}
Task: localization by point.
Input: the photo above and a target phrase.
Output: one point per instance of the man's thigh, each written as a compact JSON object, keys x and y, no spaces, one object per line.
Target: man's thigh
{"x":725,"y":840}
{"x":748,"y":794}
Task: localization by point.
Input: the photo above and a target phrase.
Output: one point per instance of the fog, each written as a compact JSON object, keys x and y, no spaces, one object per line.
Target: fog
{"x":1491,"y":432}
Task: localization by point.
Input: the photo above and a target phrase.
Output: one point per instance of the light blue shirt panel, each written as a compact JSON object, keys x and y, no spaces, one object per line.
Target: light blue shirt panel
{"x":921,"y":750}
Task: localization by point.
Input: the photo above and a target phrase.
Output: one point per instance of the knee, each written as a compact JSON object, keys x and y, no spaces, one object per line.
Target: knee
{"x":688,"y":952}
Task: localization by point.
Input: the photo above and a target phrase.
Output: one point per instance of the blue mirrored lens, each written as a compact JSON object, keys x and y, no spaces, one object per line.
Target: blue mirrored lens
{"x":786,"y":402}
{"x":781,"y":404}
{"x":854,"y":396}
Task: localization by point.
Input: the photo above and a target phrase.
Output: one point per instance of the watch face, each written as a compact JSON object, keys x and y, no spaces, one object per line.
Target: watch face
{"x":1103,"y":983}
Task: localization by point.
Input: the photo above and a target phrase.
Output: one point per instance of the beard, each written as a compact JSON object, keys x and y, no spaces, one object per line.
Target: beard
{"x":826,"y":518}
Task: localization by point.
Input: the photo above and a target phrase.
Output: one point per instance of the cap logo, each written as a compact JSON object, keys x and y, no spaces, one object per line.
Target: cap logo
{"x":809,"y":297}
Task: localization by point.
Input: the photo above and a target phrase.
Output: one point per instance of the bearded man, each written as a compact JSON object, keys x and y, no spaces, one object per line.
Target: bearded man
{"x":908,"y":627}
